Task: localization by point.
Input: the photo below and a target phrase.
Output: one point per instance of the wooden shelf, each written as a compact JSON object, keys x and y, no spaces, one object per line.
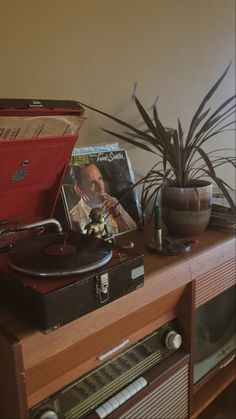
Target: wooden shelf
{"x":48,"y":362}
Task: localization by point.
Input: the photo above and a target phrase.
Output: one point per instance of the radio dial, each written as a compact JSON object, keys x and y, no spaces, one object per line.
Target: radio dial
{"x":48,"y":414}
{"x":173,"y":340}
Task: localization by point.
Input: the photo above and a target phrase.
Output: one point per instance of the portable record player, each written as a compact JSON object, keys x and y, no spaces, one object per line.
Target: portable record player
{"x":51,"y":280}
{"x":49,"y":277}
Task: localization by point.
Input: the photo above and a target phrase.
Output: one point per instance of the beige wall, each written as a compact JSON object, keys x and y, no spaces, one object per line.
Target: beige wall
{"x":95,"y":50}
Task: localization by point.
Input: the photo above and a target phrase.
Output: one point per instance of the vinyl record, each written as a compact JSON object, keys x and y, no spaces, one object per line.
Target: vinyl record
{"x":59,"y":255}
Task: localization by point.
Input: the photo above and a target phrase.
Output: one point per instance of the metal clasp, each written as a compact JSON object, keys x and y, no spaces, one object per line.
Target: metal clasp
{"x":35,"y":104}
{"x":102,"y":287}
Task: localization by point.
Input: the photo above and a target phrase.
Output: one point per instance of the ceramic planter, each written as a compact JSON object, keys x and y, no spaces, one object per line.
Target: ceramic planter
{"x":186,"y":211}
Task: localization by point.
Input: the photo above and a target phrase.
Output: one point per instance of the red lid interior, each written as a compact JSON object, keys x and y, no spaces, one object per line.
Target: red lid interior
{"x":31,"y":175}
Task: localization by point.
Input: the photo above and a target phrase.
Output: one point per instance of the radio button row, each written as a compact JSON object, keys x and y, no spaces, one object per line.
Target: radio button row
{"x":49,"y":414}
{"x":114,"y":402}
{"x":108,"y":408}
{"x":125,"y":394}
{"x":101,"y":412}
{"x":132,"y":389}
{"x":120,"y":398}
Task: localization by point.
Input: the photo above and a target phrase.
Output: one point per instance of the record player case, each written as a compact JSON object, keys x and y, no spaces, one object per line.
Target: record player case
{"x":48,"y":303}
{"x":31,"y":175}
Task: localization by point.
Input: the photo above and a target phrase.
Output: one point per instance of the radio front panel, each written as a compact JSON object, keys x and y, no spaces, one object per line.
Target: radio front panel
{"x":168,"y":400}
{"x":121,"y":372}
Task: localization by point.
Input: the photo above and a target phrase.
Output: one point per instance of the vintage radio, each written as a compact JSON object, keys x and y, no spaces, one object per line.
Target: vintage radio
{"x":48,"y":277}
{"x":130,"y":384}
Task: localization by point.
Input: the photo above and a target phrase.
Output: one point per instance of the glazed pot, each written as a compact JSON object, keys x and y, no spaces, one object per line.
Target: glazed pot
{"x":186,"y":211}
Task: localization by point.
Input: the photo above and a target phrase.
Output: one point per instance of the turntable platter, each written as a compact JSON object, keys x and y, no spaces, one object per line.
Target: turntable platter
{"x":59,"y":255}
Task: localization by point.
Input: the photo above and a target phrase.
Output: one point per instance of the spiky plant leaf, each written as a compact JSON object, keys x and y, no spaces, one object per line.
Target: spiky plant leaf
{"x":206,"y":159}
{"x":194,"y":123}
{"x":129,"y":140}
{"x":221,"y":185}
{"x":147,"y":119}
{"x":118,"y":121}
{"x":211,"y":120}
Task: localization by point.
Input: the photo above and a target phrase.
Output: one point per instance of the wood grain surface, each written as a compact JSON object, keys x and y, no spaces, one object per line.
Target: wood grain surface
{"x":55,"y":359}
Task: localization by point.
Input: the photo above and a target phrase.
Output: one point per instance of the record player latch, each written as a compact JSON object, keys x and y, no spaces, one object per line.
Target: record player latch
{"x":102,"y":287}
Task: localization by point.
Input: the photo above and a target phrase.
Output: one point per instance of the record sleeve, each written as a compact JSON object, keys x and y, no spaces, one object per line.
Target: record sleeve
{"x":101,"y":176}
{"x":30,"y":118}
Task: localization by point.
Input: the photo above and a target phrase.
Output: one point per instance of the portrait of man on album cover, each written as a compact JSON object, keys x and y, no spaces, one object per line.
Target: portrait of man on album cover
{"x":101,"y":179}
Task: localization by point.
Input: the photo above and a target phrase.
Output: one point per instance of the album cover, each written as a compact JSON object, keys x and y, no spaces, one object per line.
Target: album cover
{"x":101,"y":177}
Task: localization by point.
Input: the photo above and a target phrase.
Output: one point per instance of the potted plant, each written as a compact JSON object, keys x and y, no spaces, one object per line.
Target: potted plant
{"x":184,"y":170}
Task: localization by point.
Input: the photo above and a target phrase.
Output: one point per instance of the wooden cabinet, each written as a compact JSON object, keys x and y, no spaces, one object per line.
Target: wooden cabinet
{"x":35,"y":365}
{"x":208,"y":286}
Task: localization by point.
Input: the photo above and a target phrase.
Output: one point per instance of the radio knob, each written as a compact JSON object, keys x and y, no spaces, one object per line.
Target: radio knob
{"x":48,"y":414}
{"x":173,"y":340}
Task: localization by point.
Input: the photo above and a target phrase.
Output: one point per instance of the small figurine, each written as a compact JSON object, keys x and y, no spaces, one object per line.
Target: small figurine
{"x":97,"y":227}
